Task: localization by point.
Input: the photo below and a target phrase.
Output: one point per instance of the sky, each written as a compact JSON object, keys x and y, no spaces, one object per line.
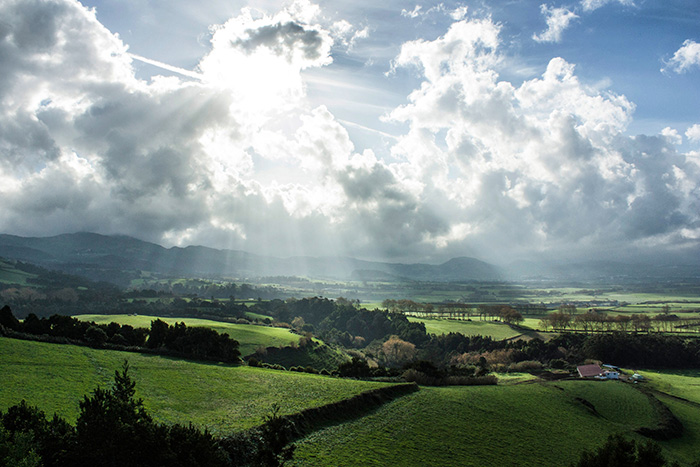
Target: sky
{"x":395,"y":131}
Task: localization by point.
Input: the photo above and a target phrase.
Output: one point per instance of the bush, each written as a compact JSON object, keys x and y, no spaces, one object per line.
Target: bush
{"x":558,"y":364}
{"x":254,"y":362}
{"x":524,"y":366}
{"x":414,"y":376}
{"x":619,"y":451}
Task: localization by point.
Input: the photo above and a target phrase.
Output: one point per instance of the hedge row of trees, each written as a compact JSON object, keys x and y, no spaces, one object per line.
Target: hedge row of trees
{"x":592,"y":321}
{"x":114,"y":429}
{"x":510,"y":314}
{"x":191,"y":342}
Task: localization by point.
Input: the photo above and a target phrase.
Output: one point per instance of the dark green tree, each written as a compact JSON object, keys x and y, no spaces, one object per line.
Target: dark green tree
{"x":620,"y":452}
{"x":7,"y":319}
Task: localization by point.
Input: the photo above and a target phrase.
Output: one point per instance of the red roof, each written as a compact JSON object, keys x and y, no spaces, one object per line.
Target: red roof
{"x":589,"y":371}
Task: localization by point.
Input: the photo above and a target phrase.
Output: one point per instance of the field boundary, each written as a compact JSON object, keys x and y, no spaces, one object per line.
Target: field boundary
{"x":301,"y":424}
{"x":668,"y":427}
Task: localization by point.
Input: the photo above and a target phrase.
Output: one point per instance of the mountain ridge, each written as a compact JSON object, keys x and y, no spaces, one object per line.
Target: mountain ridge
{"x":85,"y":252}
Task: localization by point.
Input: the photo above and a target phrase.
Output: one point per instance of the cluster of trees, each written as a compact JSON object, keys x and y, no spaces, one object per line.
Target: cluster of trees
{"x":593,"y":321}
{"x":197,"y":342}
{"x":405,"y":341}
{"x":114,"y":429}
{"x":341,"y":322}
{"x":619,"y":451}
{"x":74,"y":329}
{"x":643,"y":350}
{"x":178,"y":339}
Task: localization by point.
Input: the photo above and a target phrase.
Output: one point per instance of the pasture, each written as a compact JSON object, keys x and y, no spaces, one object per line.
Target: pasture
{"x":223,"y":398}
{"x":475,"y":327}
{"x":249,"y":336}
{"x":519,"y":422}
{"x":524,"y":424}
{"x":9,"y":274}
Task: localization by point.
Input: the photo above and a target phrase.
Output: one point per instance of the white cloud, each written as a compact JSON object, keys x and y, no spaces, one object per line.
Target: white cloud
{"x":459,"y":13}
{"x":237,"y":157}
{"x":685,"y":58}
{"x":558,"y":19}
{"x":591,"y":5}
{"x":693,"y":133}
{"x":413,"y":13}
{"x":418,"y":11}
{"x":541,"y":165}
{"x":671,"y":134}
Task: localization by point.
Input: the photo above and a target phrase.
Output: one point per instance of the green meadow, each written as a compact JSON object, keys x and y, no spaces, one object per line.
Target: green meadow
{"x":524,"y":424}
{"x":249,"y":336}
{"x":522,"y":421}
{"x":679,"y":383}
{"x":11,"y":275}
{"x":494,"y":329}
{"x":223,"y":398}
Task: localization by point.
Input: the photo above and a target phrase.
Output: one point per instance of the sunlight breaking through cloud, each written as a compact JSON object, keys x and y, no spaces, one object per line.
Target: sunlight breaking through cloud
{"x":233,"y":154}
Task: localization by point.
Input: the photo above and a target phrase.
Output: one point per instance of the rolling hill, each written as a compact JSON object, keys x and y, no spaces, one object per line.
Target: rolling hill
{"x":105,"y":257}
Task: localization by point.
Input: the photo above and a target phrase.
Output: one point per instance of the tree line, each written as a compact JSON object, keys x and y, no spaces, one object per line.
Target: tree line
{"x":593,"y":321}
{"x":344,"y":324}
{"x":190,"y":342}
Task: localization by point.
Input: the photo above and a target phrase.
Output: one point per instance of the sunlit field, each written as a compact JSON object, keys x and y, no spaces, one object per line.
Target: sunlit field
{"x":475,"y":327}
{"x":221,"y":397}
{"x":249,"y":336}
{"x":524,"y":425}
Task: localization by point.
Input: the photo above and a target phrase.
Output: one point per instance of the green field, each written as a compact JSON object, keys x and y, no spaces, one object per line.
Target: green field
{"x":11,"y":275}
{"x":496,"y":330}
{"x":249,"y":336}
{"x":520,"y":422}
{"x":524,"y":425}
{"x":679,"y":383}
{"x":224,"y":398}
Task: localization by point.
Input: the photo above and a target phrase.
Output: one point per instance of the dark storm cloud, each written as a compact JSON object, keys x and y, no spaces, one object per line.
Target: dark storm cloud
{"x":283,"y":39}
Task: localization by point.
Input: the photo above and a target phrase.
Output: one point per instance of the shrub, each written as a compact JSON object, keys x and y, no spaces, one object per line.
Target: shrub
{"x":527,"y":365}
{"x":558,"y":364}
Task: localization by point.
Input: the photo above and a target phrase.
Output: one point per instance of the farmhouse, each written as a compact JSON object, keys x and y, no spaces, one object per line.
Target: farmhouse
{"x":589,"y":371}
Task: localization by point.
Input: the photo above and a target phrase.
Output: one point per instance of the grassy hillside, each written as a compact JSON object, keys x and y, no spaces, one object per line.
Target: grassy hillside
{"x":248,"y":335}
{"x":9,"y":274}
{"x":679,"y":383}
{"x":224,"y":398}
{"x":525,"y":424}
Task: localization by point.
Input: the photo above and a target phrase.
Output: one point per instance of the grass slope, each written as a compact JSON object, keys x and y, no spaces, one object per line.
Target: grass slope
{"x":679,"y":383}
{"x":683,"y":384}
{"x":524,"y":425}
{"x":224,"y":398}
{"x":249,"y":336}
{"x":9,"y":274}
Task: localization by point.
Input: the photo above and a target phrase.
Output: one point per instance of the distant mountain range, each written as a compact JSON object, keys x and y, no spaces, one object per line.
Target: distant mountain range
{"x":108,"y":257}
{"x":118,"y":259}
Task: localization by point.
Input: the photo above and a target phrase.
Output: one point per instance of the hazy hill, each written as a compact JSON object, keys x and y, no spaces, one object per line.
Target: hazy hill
{"x":108,"y":257}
